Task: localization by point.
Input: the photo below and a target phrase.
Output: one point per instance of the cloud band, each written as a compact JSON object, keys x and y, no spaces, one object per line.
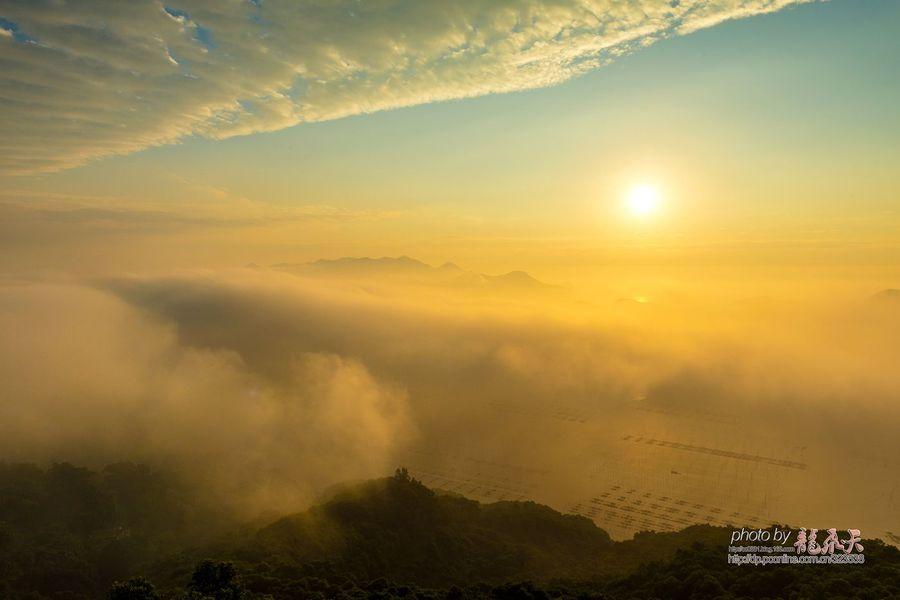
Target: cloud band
{"x":82,"y":80}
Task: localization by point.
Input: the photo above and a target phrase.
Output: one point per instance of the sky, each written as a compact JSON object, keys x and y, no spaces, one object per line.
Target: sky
{"x":773,"y":129}
{"x":670,"y":221}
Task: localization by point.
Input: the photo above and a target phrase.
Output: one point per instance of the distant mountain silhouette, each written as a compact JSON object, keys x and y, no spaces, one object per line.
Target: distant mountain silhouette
{"x":410,"y":270}
{"x":889,"y":295}
{"x":363,"y":265}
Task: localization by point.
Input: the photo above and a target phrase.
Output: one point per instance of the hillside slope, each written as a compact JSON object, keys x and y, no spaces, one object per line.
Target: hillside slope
{"x":69,"y":533}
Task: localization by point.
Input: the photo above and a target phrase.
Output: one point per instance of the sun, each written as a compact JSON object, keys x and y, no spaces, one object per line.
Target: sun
{"x":643,"y":200}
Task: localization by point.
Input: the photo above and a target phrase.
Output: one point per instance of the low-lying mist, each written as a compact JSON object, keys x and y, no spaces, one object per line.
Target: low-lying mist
{"x":267,"y":386}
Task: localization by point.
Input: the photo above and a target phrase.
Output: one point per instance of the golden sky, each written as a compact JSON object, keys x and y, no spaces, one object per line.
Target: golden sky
{"x":197,"y":136}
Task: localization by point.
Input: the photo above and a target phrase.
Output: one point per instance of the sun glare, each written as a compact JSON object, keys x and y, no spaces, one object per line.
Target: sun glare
{"x":643,"y":200}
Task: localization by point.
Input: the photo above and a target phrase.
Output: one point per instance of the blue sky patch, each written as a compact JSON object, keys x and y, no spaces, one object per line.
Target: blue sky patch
{"x":17,"y":34}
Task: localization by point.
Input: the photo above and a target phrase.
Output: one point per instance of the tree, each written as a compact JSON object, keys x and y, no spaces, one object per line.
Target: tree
{"x":216,"y":580}
{"x":133,"y":589}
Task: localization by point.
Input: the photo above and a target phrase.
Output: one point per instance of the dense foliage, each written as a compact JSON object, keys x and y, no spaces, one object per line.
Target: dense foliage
{"x":68,"y":532}
{"x":129,"y":533}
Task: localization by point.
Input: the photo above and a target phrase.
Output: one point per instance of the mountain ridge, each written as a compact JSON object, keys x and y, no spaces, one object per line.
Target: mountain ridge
{"x":411,"y":270}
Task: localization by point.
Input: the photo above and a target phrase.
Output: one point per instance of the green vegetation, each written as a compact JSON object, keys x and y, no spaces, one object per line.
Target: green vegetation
{"x":71,"y":533}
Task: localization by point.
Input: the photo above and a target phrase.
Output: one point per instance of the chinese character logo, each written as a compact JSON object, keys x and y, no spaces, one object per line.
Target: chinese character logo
{"x":807,"y":542}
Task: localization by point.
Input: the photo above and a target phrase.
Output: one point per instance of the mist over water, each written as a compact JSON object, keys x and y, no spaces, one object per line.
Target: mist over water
{"x":267,"y":385}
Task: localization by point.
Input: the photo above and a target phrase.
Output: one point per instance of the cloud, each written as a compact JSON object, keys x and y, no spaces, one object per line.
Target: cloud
{"x":266,"y":387}
{"x":26,"y":213}
{"x":87,"y":378}
{"x":91,"y":79}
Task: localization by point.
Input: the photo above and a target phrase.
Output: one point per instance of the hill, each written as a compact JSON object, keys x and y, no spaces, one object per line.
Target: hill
{"x":68,"y":533}
{"x":399,"y":529}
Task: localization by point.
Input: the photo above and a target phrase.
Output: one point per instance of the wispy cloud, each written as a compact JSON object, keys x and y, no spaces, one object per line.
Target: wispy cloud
{"x":31,"y":213}
{"x":91,"y":79}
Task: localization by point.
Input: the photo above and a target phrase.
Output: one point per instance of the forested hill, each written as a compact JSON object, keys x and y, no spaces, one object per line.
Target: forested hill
{"x":69,"y":533}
